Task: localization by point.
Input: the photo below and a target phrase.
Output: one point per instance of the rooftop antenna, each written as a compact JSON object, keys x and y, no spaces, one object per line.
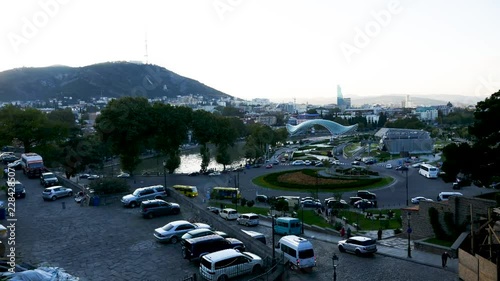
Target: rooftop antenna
{"x":146,"y":49}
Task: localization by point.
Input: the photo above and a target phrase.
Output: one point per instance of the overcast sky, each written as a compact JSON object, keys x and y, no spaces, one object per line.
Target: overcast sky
{"x":277,"y":49}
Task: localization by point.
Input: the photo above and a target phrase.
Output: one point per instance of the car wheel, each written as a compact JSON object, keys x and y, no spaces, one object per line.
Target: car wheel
{"x":184,"y":253}
{"x":70,"y":193}
{"x":53,"y":198}
{"x":222,"y":278}
{"x":256,"y":269}
{"x":341,"y":249}
{"x":357,"y":252}
{"x":174,"y":240}
{"x":150,"y":216}
{"x":133,"y":204}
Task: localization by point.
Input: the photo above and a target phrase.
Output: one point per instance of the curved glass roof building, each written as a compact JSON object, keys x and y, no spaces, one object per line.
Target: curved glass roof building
{"x":333,"y":127}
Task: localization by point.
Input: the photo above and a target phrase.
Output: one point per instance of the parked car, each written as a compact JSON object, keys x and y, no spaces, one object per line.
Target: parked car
{"x":195,"y":248}
{"x":269,"y":166}
{"x":364,"y":204}
{"x":84,"y":176}
{"x":123,"y":175}
{"x":48,"y":179}
{"x":173,"y":231}
{"x":261,"y":198}
{"x":356,"y":163}
{"x":142,"y":194}
{"x":229,"y":263}
{"x":15,"y":189}
{"x":159,"y":207}
{"x":418,"y":199}
{"x":214,"y":210}
{"x":16,"y":165}
{"x":229,"y":214}
{"x":200,"y":232}
{"x":248,"y":219}
{"x":214,"y":174}
{"x":402,"y":168}
{"x":310,"y":203}
{"x":307,"y":163}
{"x":93,"y":177}
{"x":55,"y":192}
{"x":358,"y":245}
{"x":388,"y":166}
{"x":9,"y":158}
{"x":298,"y":163}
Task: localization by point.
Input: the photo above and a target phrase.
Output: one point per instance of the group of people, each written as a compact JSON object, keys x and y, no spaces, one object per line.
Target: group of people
{"x":344,"y":232}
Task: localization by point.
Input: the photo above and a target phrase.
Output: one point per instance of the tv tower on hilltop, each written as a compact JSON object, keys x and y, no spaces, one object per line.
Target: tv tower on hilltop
{"x":146,"y":49}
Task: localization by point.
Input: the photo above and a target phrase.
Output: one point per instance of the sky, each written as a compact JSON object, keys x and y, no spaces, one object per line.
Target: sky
{"x":276,"y":49}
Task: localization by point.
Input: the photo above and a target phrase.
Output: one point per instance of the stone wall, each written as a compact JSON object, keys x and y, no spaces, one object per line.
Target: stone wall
{"x":459,"y":206}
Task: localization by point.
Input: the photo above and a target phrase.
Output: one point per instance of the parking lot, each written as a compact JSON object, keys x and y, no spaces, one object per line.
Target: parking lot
{"x":115,"y":243}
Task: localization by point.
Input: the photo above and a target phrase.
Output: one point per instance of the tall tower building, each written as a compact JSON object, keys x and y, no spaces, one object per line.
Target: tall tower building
{"x":340,"y":98}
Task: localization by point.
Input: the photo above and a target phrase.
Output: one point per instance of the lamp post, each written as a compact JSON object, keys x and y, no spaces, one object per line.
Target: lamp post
{"x":409,"y":233}
{"x":407,"y":203}
{"x":165,"y":175}
{"x":334,"y":258}
{"x":302,"y":230}
{"x":272,"y":231}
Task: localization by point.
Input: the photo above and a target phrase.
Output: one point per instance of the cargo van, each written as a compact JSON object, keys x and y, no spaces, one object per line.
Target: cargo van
{"x":297,"y":251}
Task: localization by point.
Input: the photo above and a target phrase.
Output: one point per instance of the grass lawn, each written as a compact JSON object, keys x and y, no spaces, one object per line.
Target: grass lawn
{"x":311,"y":218}
{"x":439,"y":242}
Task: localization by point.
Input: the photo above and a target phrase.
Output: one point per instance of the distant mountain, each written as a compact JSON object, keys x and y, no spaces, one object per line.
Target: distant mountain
{"x":417,"y":100}
{"x":112,"y":79}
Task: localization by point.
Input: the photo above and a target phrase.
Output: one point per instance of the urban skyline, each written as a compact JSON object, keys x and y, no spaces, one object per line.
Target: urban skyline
{"x":279,"y":50}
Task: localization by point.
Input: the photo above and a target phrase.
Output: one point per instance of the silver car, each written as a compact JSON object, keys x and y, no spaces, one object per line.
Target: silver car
{"x":54,"y":192}
{"x":173,"y":231}
{"x":358,"y":245}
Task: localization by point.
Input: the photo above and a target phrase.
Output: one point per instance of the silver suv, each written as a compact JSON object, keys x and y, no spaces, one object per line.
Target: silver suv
{"x":358,"y":245}
{"x":144,"y":193}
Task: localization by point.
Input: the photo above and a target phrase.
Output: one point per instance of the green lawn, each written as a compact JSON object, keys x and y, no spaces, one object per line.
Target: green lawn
{"x":311,"y":218}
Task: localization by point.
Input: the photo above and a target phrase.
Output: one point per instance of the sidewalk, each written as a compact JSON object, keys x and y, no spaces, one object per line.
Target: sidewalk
{"x":391,"y":246}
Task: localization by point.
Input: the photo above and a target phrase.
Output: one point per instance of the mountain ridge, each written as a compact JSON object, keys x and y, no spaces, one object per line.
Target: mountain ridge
{"x":110,"y":79}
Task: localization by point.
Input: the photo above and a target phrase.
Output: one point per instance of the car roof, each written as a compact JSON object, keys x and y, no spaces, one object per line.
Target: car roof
{"x":206,"y":237}
{"x":249,"y":214}
{"x":48,"y":173}
{"x":219,"y":255}
{"x":54,"y":187}
{"x":179,"y":222}
{"x":360,"y":238}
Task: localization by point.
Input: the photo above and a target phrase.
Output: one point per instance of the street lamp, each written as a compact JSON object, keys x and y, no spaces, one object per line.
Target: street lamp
{"x":302,"y":231}
{"x":165,"y":175}
{"x":406,"y":170}
{"x":272,"y":231}
{"x":335,"y":258}
{"x":409,"y":233}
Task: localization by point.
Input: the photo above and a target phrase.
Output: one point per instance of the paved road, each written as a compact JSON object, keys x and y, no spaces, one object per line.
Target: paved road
{"x":115,"y":243}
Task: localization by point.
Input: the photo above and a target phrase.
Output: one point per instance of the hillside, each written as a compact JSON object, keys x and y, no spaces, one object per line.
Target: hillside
{"x":112,"y":79}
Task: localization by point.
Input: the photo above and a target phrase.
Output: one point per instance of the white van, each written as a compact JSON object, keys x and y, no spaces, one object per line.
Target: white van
{"x":297,"y":251}
{"x":248,"y":219}
{"x":229,"y":214}
{"x":444,"y":196}
{"x":225,"y":264}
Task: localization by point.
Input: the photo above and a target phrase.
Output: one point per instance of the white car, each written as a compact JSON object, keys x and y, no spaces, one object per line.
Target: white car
{"x":230,"y":263}
{"x":307,"y":163}
{"x":93,"y":177}
{"x":214,"y":174}
{"x":418,"y":199}
{"x":358,"y":245}
{"x":123,"y":175}
{"x":388,"y":166}
{"x":298,"y":163}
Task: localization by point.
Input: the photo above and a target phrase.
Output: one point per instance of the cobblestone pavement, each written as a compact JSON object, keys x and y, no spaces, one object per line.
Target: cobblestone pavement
{"x":115,"y":243}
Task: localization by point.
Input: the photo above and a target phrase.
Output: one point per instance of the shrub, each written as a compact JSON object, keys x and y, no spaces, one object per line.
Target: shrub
{"x":243,"y":202}
{"x":250,"y":203}
{"x":107,"y":186}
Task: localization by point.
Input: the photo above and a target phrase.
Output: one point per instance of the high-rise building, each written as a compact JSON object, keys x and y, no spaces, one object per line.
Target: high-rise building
{"x":340,"y":98}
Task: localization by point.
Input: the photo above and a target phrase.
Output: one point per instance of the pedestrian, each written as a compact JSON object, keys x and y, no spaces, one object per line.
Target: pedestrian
{"x":348,"y":232}
{"x":444,"y":258}
{"x":379,"y":234}
{"x":342,"y":232}
{"x":5,"y":172}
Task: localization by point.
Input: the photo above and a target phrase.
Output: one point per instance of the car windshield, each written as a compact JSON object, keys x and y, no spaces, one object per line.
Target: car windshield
{"x":136,"y":192}
{"x":168,"y":227}
{"x":305,"y":254}
{"x":49,"y":176}
{"x":35,"y":165}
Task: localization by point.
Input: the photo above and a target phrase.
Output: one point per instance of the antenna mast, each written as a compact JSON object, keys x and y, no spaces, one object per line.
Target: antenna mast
{"x":146,"y":49}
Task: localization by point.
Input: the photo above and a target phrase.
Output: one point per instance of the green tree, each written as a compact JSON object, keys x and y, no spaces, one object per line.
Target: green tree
{"x":127,"y":124}
{"x":80,"y":153}
{"x":203,"y":132}
{"x":225,"y":137}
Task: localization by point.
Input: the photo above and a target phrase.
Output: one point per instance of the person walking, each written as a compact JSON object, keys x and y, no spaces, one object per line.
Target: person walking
{"x":348,"y":232}
{"x":379,"y":234}
{"x":342,"y":232}
{"x":444,"y":258}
